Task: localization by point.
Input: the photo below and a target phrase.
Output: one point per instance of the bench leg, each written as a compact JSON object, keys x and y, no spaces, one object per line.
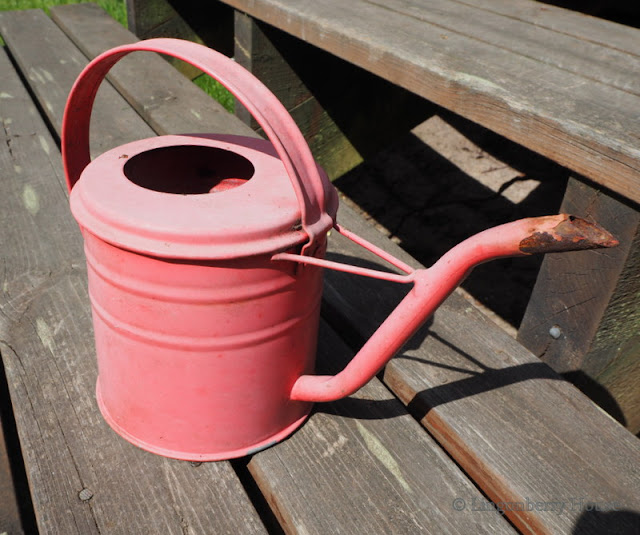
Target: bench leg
{"x":345,"y":113}
{"x":583,"y":318}
{"x":210,"y":23}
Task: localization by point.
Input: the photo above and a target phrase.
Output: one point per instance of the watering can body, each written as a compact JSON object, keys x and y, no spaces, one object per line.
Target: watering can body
{"x":205,"y":257}
{"x":199,"y":335}
{"x":197,"y":359}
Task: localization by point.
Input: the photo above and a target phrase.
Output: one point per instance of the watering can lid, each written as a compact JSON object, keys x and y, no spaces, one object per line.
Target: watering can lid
{"x":260,"y":216}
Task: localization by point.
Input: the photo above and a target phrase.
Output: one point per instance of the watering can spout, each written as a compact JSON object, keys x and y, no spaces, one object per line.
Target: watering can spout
{"x":548,"y":234}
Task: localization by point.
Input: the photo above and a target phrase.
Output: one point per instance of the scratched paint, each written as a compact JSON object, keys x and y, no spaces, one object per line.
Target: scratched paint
{"x":47,"y":75}
{"x":196,"y":114}
{"x":30,"y":199}
{"x":44,"y":333}
{"x":44,"y":144}
{"x":5,"y":95}
{"x":17,"y":168}
{"x":383,"y":455}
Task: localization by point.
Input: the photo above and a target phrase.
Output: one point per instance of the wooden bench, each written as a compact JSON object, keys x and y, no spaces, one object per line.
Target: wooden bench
{"x":563,"y":84}
{"x":464,"y":418}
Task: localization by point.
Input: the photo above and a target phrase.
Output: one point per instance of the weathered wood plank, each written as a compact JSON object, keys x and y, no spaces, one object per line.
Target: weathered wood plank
{"x":591,"y":299}
{"x":47,"y":349}
{"x":581,"y":57}
{"x":169,"y":103}
{"x":510,"y":422}
{"x":364,"y":465}
{"x":582,"y":124}
{"x":346,"y":114}
{"x":593,"y":29}
{"x":51,"y":64}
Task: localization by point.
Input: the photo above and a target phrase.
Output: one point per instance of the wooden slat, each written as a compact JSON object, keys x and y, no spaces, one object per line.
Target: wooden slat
{"x":593,"y":298}
{"x":257,"y":52}
{"x":593,"y":29}
{"x":174,"y":105}
{"x":577,"y":56}
{"x":51,"y":64}
{"x":511,"y":423}
{"x":363,"y":465}
{"x":585,"y":125}
{"x":47,"y":349}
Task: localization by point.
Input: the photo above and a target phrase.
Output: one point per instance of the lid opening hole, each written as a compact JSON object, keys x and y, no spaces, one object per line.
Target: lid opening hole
{"x":189,"y":170}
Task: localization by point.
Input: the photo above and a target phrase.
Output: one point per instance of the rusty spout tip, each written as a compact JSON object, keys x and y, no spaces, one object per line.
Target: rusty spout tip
{"x":570,"y":234}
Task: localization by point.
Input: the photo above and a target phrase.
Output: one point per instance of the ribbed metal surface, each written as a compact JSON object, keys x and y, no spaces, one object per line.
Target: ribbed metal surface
{"x":206,"y":376}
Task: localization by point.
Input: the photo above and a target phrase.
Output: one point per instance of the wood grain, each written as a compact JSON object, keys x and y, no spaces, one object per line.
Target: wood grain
{"x":593,"y":29}
{"x":582,"y":124}
{"x":582,"y":57}
{"x":51,"y":64}
{"x":504,"y":416}
{"x":169,"y":103}
{"x":363,"y":465}
{"x":592,"y":298}
{"x":47,"y":349}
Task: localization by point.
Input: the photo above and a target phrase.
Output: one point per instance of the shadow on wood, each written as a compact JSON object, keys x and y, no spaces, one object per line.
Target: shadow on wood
{"x":16,"y":509}
{"x":345,"y":113}
{"x":597,"y":393}
{"x":607,"y":521}
{"x":428,"y":205}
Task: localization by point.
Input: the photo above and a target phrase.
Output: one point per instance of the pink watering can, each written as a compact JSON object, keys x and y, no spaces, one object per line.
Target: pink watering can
{"x":205,"y":257}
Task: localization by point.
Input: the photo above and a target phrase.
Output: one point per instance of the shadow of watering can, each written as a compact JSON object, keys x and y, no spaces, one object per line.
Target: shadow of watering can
{"x":205,"y":257}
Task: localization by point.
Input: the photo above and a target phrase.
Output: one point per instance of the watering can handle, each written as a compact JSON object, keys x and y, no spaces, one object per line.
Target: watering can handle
{"x":317,"y":205}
